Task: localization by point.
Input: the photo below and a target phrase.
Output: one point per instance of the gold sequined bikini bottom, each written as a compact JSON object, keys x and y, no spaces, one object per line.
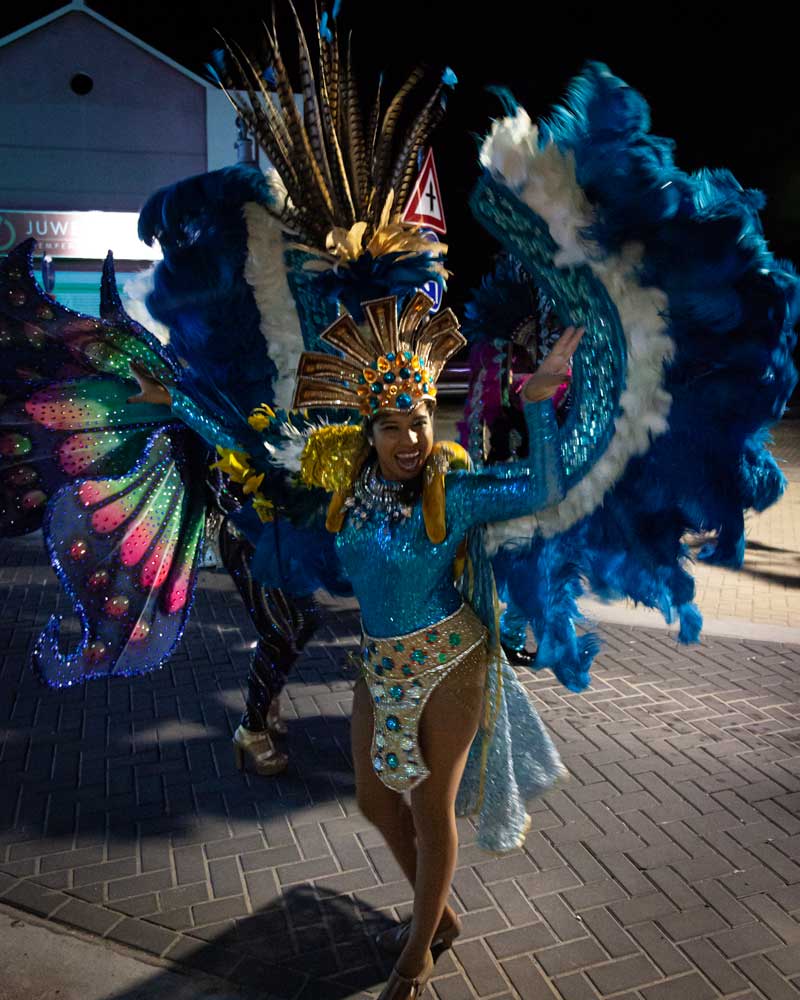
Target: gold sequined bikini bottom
{"x":402,"y":672}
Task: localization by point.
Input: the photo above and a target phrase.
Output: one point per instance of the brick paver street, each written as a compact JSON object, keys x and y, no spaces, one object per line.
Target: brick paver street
{"x":667,"y":867}
{"x":767,"y":590}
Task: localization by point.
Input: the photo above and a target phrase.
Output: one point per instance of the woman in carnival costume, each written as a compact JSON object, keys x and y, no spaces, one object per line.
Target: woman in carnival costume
{"x":403,"y":519}
{"x":596,"y":212}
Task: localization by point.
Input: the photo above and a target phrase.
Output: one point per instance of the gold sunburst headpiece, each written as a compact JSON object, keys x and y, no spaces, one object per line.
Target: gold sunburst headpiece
{"x":391,"y":363}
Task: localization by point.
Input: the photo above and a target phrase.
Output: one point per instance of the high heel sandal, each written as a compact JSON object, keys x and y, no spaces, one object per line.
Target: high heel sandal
{"x":256,"y":752}
{"x":393,"y":940}
{"x":399,"y":987}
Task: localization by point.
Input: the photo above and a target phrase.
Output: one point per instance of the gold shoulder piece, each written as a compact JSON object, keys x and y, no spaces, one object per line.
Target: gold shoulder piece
{"x":336,"y":511}
{"x":457,"y":457}
{"x":446,"y":455}
{"x":332,"y":457}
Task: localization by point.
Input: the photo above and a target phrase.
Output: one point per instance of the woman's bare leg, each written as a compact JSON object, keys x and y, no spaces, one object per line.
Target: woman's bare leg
{"x":447,"y":728}
{"x":384,"y":808}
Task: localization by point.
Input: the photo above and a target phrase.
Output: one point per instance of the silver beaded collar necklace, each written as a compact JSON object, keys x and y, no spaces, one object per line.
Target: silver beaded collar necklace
{"x":386,"y":499}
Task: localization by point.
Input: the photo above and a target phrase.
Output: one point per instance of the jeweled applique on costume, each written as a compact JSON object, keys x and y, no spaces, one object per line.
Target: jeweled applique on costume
{"x":402,"y":671}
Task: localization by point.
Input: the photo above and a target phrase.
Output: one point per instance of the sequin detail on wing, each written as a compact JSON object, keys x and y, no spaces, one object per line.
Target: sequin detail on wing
{"x":64,"y":382}
{"x":126,"y":550}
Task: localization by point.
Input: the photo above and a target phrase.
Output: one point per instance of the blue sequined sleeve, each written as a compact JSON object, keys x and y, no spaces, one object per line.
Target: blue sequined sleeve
{"x":202,"y":422}
{"x":515,"y":489}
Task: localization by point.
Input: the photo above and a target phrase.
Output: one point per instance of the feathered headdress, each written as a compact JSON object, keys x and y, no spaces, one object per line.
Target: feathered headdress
{"x":346,"y":181}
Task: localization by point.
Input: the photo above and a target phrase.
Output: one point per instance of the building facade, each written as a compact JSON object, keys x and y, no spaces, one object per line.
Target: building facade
{"x":94,"y":120}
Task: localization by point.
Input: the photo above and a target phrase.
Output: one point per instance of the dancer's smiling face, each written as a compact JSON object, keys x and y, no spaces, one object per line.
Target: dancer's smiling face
{"x":403,"y":441}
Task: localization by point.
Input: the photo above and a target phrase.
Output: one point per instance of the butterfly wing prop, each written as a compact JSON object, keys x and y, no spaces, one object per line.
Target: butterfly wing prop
{"x":117,"y":488}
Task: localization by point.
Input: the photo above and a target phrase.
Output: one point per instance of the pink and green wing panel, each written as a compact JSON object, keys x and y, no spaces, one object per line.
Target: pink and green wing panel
{"x":64,"y":382}
{"x":126,"y":549}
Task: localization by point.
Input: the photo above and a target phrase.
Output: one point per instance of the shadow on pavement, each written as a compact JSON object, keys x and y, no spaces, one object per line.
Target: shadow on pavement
{"x":310,"y":945}
{"x":124,"y":759}
{"x":763,"y":547}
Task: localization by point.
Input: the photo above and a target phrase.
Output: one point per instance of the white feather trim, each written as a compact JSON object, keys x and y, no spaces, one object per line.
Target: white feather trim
{"x":134,"y":292}
{"x":544,"y":179}
{"x":265,"y":272}
{"x":289,"y":449}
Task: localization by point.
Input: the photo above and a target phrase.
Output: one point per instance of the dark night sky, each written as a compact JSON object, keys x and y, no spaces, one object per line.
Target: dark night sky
{"x":719,"y":84}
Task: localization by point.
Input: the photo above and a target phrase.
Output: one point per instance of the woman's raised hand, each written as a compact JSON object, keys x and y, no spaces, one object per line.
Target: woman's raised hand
{"x":150,"y":390}
{"x":555,"y":369}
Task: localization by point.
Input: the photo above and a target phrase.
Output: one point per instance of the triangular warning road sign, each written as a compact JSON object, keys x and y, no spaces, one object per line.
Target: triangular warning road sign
{"x":425,"y":207}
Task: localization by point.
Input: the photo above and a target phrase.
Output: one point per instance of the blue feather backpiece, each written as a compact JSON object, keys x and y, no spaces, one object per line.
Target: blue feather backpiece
{"x":617,"y":204}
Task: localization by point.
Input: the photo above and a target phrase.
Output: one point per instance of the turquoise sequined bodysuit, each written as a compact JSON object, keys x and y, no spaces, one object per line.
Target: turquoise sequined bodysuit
{"x":404,"y":583}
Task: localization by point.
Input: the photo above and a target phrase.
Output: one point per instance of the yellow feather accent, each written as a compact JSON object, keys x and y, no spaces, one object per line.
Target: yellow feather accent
{"x":336,"y":510}
{"x":386,"y":211}
{"x":344,"y":246}
{"x":261,"y":417}
{"x":253,"y":484}
{"x":234,"y":464}
{"x":264,"y":508}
